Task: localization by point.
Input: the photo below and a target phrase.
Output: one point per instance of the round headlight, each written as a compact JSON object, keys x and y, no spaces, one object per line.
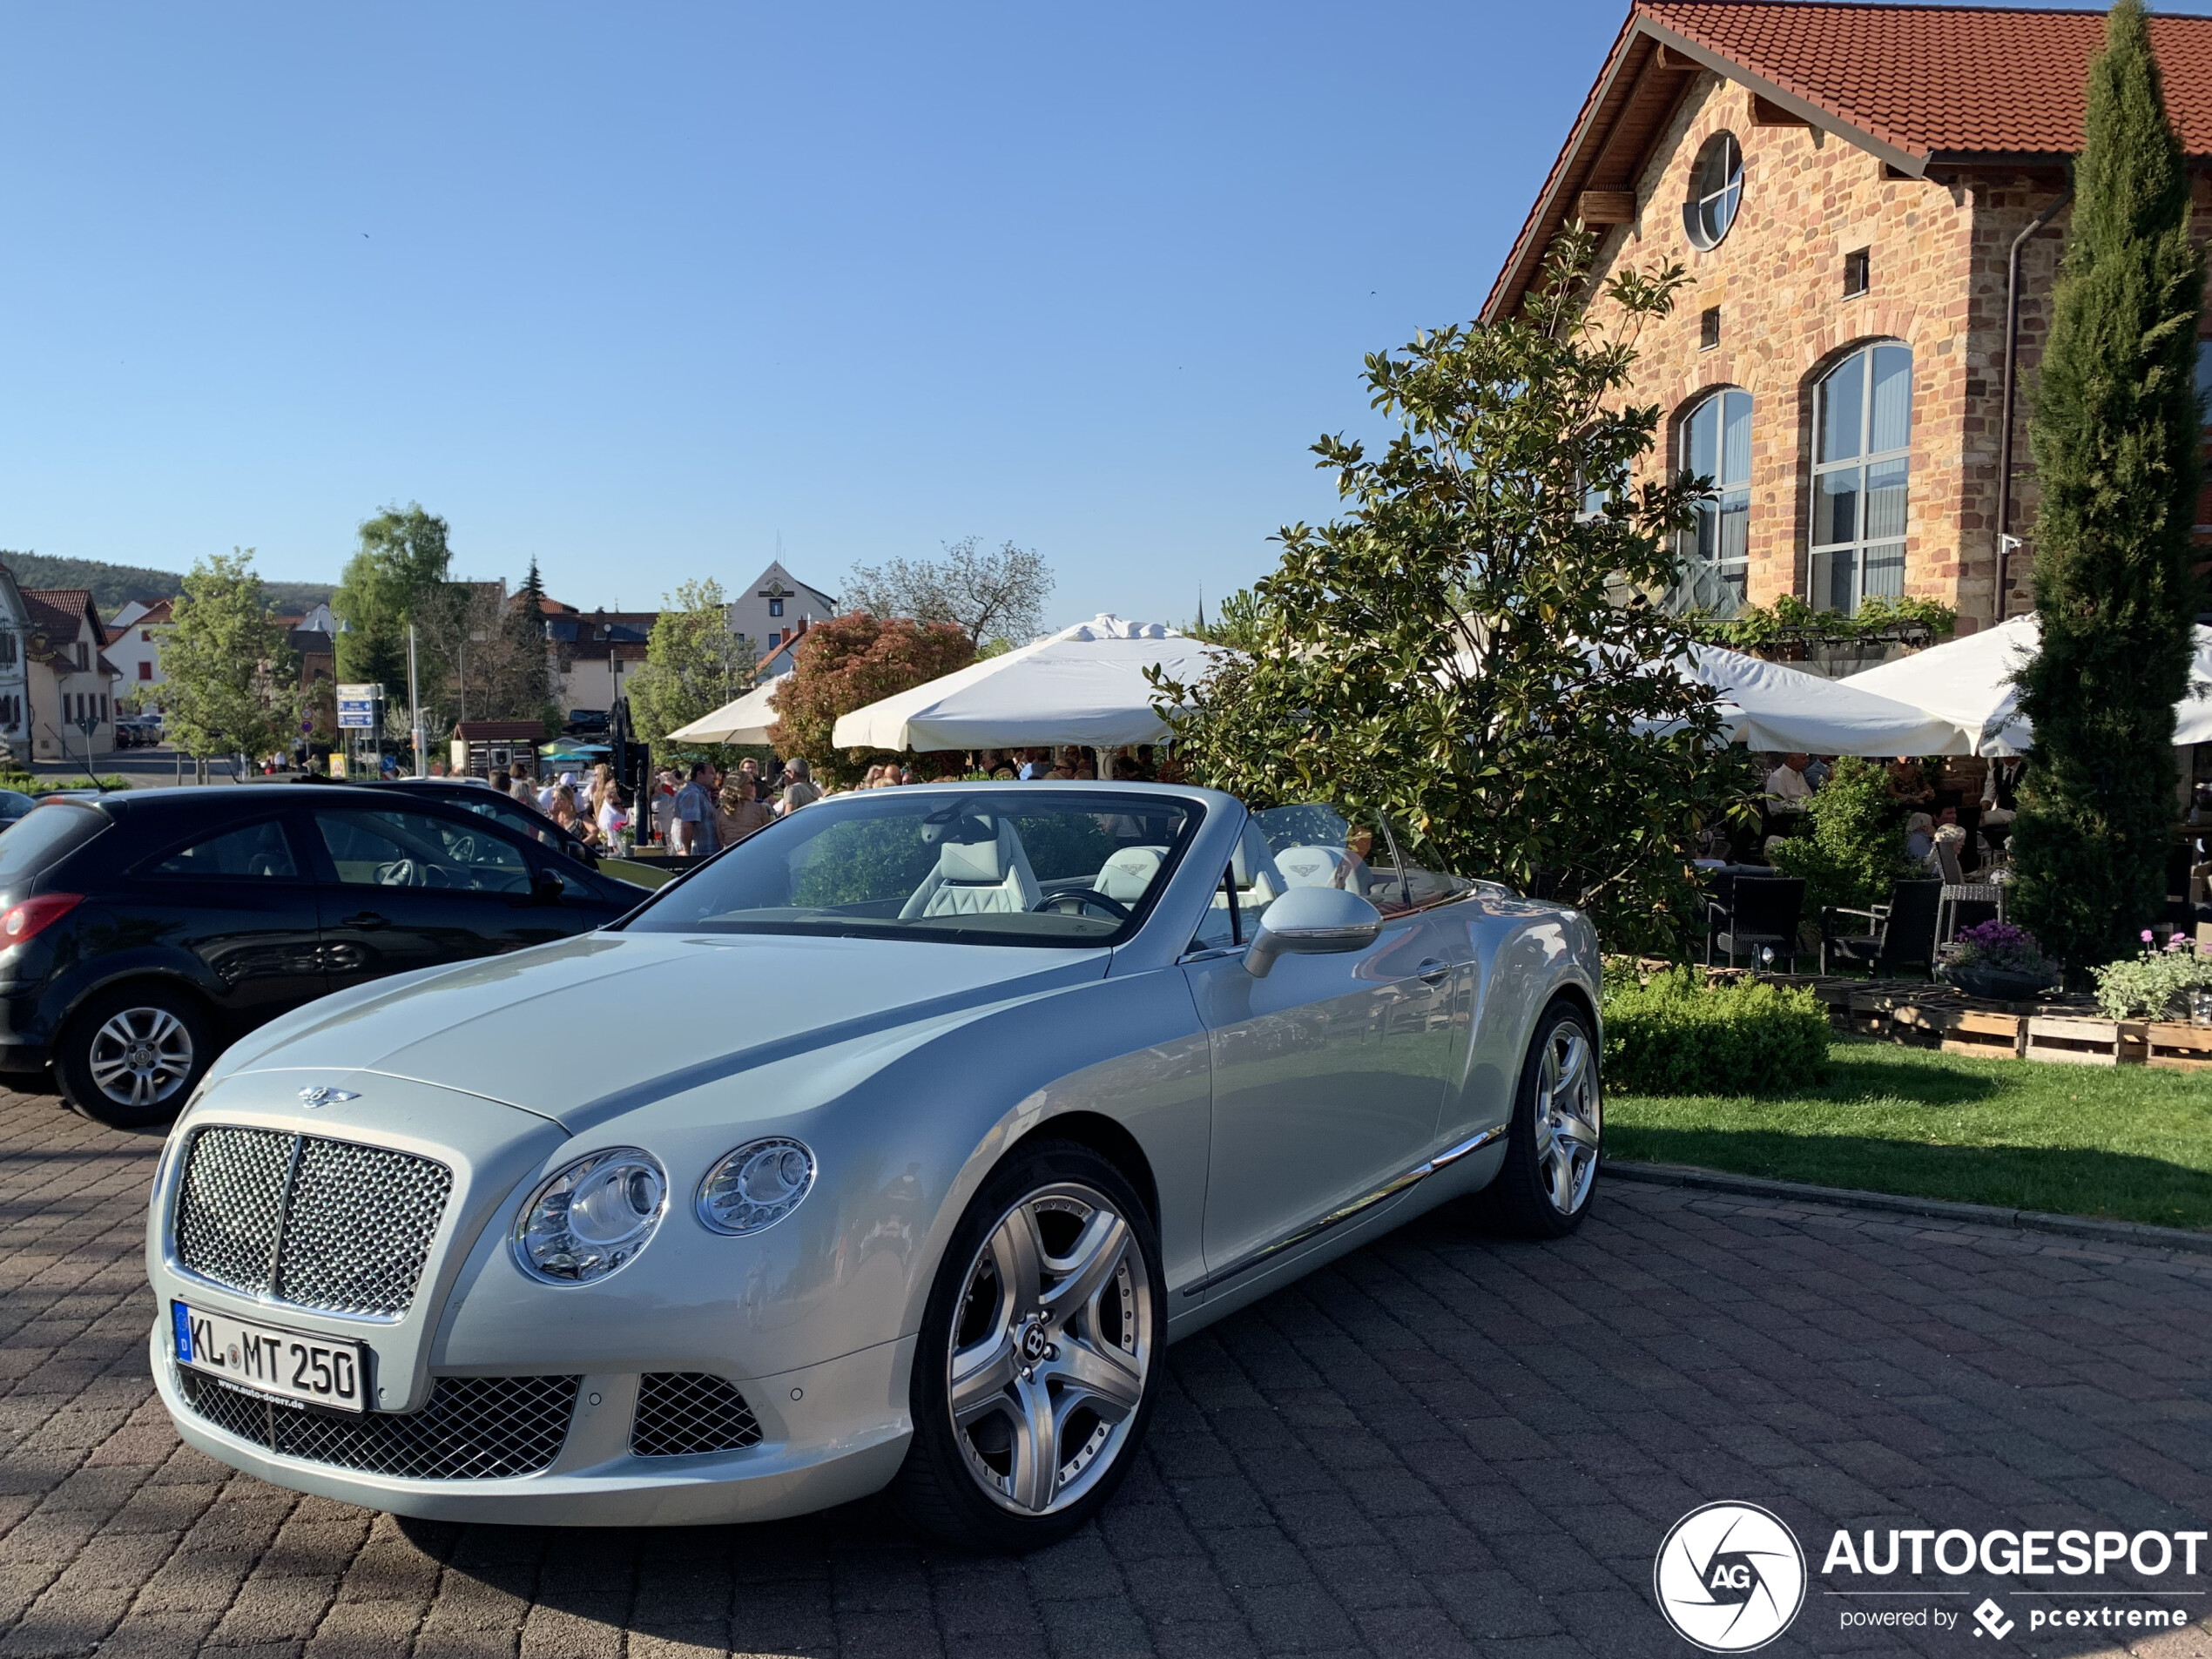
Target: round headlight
{"x":591,"y":1216}
{"x":756,"y":1186}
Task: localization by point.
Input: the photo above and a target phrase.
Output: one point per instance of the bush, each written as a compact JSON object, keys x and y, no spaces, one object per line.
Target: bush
{"x":1679,"y":1032}
{"x":2155,"y":985}
{"x":1856,"y":843}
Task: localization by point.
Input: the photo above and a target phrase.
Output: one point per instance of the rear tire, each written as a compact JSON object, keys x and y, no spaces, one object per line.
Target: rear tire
{"x":1544,"y":1188}
{"x":1050,"y":1305}
{"x":131,"y":1056}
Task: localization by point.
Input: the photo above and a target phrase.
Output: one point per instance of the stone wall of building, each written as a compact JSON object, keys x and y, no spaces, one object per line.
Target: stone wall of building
{"x":1778,"y":277}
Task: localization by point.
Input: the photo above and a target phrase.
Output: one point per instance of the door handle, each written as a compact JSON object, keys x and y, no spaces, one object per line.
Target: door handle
{"x":1433,"y":972}
{"x":368,"y":920}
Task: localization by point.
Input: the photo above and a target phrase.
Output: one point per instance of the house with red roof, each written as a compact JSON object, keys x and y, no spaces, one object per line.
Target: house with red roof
{"x":1871,"y":202}
{"x":70,"y":683}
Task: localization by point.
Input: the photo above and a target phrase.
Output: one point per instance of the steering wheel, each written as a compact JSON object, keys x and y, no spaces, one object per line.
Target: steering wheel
{"x":1081,"y":896}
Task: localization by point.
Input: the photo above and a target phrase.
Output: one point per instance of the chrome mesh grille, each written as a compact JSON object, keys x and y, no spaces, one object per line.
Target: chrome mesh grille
{"x":471,"y":1428}
{"x":683,"y":1412}
{"x":318,"y":1223}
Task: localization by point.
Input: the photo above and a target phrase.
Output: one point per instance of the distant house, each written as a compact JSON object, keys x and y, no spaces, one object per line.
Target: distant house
{"x":134,"y":644}
{"x":594,"y":651}
{"x":774,"y":605}
{"x":482,"y":747}
{"x":69,"y":689}
{"x":778,"y":659}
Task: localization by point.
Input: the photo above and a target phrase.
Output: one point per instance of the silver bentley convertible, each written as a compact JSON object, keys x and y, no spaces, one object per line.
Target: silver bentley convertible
{"x":886,"y":1150}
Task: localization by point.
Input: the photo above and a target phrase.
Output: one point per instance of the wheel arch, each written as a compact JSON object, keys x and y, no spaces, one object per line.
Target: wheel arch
{"x":1104,"y":1135}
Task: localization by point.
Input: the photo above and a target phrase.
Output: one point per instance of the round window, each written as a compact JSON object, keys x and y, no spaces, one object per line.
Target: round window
{"x":1716,"y":190}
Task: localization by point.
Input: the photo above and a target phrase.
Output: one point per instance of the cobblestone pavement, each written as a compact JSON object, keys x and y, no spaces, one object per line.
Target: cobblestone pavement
{"x":1444,"y":1444}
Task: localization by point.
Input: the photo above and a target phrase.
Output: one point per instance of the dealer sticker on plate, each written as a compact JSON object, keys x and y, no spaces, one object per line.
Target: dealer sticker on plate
{"x":329,"y":1371}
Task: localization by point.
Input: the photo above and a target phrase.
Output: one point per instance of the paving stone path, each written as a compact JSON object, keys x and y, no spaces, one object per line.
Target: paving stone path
{"x":1445,"y":1444}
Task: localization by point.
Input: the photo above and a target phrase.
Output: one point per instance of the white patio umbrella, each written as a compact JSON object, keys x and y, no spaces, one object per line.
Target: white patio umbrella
{"x":1969,"y":683}
{"x":1771,"y":706}
{"x":747,"y":720}
{"x":1083,"y":686}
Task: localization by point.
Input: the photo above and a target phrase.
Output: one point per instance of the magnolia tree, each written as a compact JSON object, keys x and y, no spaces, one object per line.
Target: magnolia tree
{"x":1470,"y":648}
{"x":847,"y":664}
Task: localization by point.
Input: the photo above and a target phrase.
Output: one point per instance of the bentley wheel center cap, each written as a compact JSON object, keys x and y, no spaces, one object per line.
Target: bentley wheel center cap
{"x":1033,"y":1341}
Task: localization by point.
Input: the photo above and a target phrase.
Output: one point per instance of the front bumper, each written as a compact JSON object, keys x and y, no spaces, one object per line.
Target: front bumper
{"x":831,"y":1432}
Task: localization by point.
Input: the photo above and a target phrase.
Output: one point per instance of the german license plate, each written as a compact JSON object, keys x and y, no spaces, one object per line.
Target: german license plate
{"x":329,"y":1371}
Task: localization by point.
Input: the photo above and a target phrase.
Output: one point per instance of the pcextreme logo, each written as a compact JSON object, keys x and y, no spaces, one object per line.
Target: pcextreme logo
{"x":1730,"y":1577}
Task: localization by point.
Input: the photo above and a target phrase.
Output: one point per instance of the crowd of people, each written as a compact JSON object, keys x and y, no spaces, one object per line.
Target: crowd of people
{"x":1966,"y":803}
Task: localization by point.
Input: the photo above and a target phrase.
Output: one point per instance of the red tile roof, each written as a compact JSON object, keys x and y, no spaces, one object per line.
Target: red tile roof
{"x":1945,"y":80}
{"x":1917,"y":86}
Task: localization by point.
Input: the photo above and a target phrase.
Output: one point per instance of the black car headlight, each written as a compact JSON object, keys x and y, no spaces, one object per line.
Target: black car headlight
{"x":756,"y":1186}
{"x":591,"y":1216}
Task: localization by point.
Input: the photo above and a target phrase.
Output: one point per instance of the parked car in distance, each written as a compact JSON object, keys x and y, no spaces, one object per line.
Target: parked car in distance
{"x":932,"y":1115}
{"x":584,"y":723}
{"x":14,"y":803}
{"x":142,"y":934}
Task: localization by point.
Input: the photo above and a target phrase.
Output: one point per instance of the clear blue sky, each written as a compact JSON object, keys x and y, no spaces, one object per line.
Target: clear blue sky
{"x":634,"y":289}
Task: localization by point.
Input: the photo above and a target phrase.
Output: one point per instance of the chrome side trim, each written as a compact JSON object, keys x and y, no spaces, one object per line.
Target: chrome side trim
{"x":1391,"y":1189}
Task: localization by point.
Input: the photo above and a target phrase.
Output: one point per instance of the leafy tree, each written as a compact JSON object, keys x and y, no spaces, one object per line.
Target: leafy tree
{"x":1468,"y":650}
{"x":847,"y":664}
{"x":982,"y":593}
{"x":1856,"y":844}
{"x":397,"y":575}
{"x":2117,"y":434}
{"x":693,"y":665}
{"x":233,"y":684}
{"x":1236,"y":624}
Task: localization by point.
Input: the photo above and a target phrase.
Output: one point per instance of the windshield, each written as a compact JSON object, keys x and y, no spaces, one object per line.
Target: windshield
{"x":1045,"y":866}
{"x":46,"y":835}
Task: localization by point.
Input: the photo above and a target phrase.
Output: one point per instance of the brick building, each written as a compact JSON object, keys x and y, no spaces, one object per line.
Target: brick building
{"x":1846,"y":185}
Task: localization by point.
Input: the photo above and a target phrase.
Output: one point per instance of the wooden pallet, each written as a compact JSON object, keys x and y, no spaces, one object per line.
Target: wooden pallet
{"x":1963,"y":1031}
{"x":2089,"y":1042}
{"x":2177,"y":1047}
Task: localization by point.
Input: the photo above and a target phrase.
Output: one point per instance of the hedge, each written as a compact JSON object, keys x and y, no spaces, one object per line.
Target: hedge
{"x":1679,"y":1034}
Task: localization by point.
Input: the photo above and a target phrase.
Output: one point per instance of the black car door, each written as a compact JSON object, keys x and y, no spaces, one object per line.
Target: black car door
{"x":239,"y":898}
{"x":399,"y":888}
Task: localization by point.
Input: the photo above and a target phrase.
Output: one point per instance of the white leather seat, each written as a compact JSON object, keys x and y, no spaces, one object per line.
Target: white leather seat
{"x":1312,"y":867}
{"x":1128,"y":872}
{"x":977,"y":878}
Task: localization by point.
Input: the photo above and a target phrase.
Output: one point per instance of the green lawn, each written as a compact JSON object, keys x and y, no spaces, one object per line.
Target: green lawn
{"x":2125,"y":1142}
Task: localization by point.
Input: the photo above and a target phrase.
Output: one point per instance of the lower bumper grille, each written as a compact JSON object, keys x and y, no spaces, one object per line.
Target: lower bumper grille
{"x":682,"y":1412}
{"x":472,"y":1428}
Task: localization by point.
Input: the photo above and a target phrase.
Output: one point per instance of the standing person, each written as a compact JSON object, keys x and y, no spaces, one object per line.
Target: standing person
{"x":663,"y":817}
{"x":614,"y":815}
{"x":739,"y":810}
{"x":799,"y":789}
{"x":695,"y":812}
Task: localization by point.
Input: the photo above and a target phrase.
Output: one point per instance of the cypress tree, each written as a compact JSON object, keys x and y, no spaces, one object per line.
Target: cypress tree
{"x":2116,"y":437}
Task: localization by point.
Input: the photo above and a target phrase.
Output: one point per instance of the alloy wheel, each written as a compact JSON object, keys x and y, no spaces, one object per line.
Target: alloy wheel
{"x":140,"y":1056}
{"x":1569,"y":1117}
{"x":1051,"y":1346}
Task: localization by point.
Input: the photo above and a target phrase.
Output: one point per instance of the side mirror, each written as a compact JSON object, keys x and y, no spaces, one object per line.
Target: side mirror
{"x":548,"y":889}
{"x":1312,"y":922}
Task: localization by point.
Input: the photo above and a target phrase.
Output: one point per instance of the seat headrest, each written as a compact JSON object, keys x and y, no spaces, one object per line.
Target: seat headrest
{"x":971,"y":861}
{"x":1128,"y":874}
{"x":1309,"y":867}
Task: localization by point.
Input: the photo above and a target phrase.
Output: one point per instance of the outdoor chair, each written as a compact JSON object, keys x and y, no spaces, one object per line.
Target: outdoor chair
{"x":1759,"y":914}
{"x":1902,"y":932}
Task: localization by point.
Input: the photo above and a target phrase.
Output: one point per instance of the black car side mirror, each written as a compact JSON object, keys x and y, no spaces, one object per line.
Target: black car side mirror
{"x":548,"y":889}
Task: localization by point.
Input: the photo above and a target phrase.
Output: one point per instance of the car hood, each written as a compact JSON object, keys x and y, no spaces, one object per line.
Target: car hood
{"x":587,"y":1027}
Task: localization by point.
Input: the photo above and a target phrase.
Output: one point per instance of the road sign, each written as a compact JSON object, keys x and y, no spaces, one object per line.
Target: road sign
{"x":357,"y":707}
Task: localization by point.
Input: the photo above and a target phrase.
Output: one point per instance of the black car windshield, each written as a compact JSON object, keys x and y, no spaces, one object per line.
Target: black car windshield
{"x":1045,"y":866}
{"x":46,"y":835}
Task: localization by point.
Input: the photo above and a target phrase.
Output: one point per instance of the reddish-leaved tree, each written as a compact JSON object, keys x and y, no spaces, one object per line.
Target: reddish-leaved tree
{"x":848,"y":663}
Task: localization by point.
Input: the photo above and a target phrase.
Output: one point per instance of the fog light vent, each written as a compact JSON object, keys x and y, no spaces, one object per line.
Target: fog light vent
{"x":682,"y":1412}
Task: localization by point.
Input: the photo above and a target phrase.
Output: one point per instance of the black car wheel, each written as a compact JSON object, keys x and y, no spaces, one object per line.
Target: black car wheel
{"x":1040,"y":1355}
{"x":1543,"y":1188}
{"x":131,"y":1055}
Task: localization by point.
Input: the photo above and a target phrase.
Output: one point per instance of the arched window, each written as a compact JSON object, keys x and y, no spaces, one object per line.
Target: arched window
{"x":1862,"y":425}
{"x":1716,"y":551}
{"x":1716,"y":190}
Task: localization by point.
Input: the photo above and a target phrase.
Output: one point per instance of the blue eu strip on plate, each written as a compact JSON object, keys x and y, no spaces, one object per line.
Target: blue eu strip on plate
{"x":181,"y":1316}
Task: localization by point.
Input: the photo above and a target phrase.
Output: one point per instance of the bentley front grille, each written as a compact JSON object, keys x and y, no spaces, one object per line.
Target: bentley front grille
{"x":318,"y":1223}
{"x":471,"y":1428}
{"x":680,"y":1412}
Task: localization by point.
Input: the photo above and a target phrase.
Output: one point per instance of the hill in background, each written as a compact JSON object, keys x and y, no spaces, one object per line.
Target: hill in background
{"x":115,"y":586}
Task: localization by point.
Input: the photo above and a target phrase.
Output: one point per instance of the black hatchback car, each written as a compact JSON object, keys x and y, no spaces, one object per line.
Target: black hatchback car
{"x":141,"y":933}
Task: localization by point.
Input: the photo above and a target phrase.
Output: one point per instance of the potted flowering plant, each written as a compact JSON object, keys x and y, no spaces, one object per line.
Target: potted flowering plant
{"x":2157,"y":983}
{"x":1997,"y":960}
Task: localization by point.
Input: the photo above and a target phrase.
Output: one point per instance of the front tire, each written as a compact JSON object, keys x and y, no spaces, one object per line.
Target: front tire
{"x":1543,"y":1189}
{"x":1040,"y":1355}
{"x":131,"y":1056}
